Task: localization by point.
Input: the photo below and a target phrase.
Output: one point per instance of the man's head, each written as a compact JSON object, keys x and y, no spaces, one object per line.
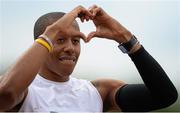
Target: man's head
{"x":62,"y":60}
{"x":46,"y":20}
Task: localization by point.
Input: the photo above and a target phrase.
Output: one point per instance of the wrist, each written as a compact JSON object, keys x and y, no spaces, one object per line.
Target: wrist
{"x":135,"y":48}
{"x":47,"y":39}
{"x":44,"y":43}
{"x":51,"y":33}
{"x":124,"y":37}
{"x":130,"y":46}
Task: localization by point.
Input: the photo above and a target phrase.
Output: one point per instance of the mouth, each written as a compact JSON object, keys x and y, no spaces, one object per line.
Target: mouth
{"x":67,"y":59}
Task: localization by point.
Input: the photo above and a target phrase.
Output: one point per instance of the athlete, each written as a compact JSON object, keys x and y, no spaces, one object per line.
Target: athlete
{"x":41,"y":80}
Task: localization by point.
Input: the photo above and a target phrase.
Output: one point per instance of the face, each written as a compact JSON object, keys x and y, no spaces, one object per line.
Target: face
{"x":65,"y":54}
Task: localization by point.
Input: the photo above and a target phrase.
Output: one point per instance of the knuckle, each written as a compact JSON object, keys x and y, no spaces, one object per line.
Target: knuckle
{"x":80,"y":7}
{"x":94,"y":5}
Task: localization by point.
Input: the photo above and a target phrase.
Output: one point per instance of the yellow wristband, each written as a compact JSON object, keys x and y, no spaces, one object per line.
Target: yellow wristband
{"x":44,"y":43}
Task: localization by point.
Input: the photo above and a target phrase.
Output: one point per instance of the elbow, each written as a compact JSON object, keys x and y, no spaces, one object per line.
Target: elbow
{"x":169,"y":98}
{"x":7,"y":99}
{"x":173,"y":97}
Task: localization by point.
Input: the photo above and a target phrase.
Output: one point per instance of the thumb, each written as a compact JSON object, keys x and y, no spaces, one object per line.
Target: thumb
{"x":82,"y":36}
{"x":91,"y":35}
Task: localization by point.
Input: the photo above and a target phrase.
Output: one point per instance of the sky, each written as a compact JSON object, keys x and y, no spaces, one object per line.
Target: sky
{"x":156,"y":24}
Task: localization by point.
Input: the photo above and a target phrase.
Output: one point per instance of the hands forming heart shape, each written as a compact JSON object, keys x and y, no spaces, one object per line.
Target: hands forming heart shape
{"x":106,"y":26}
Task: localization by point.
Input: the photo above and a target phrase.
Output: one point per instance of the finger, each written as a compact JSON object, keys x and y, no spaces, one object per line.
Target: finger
{"x":87,"y":14}
{"x":91,"y":35}
{"x":81,"y":19}
{"x":87,"y":18}
{"x":96,"y":11}
{"x":81,"y":16}
{"x":81,"y":35}
{"x":92,"y":7}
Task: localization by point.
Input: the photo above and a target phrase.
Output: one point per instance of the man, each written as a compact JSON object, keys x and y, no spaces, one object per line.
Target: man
{"x":40,"y":80}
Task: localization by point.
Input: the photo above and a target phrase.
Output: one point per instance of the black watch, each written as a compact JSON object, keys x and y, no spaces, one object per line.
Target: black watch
{"x":127,"y":46}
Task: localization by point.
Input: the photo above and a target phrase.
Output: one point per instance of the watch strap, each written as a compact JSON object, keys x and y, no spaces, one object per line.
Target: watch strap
{"x":127,"y":46}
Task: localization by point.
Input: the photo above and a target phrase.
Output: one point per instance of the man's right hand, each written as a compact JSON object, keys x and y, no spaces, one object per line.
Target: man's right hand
{"x":63,"y":26}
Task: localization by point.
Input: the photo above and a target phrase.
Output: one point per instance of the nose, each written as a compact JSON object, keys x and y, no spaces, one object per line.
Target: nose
{"x":69,"y":47}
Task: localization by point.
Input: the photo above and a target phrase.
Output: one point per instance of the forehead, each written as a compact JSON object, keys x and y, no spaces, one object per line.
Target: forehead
{"x":75,"y":25}
{"x":51,"y":21}
{"x":71,"y":35}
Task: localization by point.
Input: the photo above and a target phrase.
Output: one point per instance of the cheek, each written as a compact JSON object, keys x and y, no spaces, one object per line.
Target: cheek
{"x":78,"y":51}
{"x":57,"y":49}
{"x":52,"y":62}
{"x":49,"y":59}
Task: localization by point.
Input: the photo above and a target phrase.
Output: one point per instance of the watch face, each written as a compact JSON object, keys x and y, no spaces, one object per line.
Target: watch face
{"x":126,"y":47}
{"x":122,"y":49}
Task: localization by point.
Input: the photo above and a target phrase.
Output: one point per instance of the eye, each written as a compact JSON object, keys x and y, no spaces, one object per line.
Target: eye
{"x":76,"y":41}
{"x":60,"y":41}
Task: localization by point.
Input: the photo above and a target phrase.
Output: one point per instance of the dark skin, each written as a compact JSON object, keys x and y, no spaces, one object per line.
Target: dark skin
{"x":59,"y":64}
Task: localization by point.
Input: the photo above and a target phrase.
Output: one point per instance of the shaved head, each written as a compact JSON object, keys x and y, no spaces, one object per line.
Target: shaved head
{"x":46,"y":20}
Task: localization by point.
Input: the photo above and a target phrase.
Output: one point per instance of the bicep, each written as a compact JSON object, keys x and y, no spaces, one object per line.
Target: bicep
{"x":19,"y":102}
{"x":16,"y":103}
{"x":136,"y":97}
{"x":111,"y":87}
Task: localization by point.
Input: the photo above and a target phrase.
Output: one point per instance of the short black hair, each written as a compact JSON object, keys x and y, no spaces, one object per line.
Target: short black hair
{"x":46,"y":20}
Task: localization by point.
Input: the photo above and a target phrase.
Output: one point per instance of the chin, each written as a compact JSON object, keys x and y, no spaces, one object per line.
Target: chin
{"x":62,"y":68}
{"x":65,"y":71}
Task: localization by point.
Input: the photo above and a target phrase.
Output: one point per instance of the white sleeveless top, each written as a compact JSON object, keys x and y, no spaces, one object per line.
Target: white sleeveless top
{"x":75,"y":95}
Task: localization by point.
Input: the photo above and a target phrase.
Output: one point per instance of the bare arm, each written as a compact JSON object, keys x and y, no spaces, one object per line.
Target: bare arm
{"x":107,"y":89}
{"x":13,"y":86}
{"x":1,"y":78}
{"x":18,"y":78}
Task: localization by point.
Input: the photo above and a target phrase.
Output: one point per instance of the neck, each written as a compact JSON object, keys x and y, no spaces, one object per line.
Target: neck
{"x":50,"y":75}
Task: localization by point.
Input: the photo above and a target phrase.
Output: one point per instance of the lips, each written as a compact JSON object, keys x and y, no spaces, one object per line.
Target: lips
{"x":66,"y":58}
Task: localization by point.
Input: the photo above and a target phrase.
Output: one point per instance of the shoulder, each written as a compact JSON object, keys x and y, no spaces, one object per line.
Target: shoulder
{"x":1,"y":77}
{"x":107,"y":86}
{"x":107,"y":83}
{"x":77,"y":81}
{"x":107,"y":89}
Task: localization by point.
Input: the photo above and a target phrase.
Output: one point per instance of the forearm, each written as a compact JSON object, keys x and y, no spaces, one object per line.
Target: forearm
{"x":157,"y":91}
{"x":152,"y":74}
{"x":21,"y":74}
